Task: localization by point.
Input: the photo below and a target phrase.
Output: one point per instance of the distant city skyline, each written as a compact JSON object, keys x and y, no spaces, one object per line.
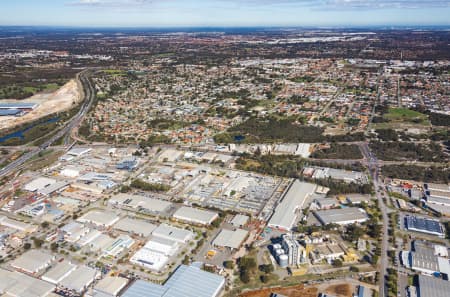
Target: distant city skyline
{"x":227,"y":13}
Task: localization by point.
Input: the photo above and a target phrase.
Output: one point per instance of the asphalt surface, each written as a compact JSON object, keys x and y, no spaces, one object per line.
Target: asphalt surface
{"x":69,"y":126}
{"x":373,"y":166}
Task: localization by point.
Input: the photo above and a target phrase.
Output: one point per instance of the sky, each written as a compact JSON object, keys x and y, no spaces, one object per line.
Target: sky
{"x":223,"y":13}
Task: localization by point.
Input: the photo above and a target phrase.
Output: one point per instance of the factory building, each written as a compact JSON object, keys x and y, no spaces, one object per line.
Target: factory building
{"x":32,"y":262}
{"x":292,"y":201}
{"x":294,"y":250}
{"x":195,"y":216}
{"x":231,"y":239}
{"x":341,"y":216}
{"x":13,"y":283}
{"x":424,"y":225}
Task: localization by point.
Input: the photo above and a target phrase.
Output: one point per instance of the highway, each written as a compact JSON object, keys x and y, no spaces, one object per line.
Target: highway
{"x":373,"y":166}
{"x":89,"y":94}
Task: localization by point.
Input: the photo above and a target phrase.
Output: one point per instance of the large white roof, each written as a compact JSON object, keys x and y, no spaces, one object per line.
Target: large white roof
{"x":286,"y":212}
{"x":32,"y":261}
{"x":21,"y":285}
{"x":195,"y":215}
{"x":230,"y":238}
{"x":78,"y":279}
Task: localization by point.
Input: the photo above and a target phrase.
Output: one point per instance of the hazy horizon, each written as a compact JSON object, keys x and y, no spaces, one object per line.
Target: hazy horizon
{"x":221,"y":13}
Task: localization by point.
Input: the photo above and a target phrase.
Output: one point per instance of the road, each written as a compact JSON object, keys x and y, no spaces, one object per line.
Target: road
{"x":89,"y":94}
{"x":373,"y":165}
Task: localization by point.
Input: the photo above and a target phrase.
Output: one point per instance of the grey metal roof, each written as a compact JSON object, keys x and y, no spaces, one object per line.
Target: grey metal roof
{"x":285,"y":213}
{"x":340,"y":215}
{"x":230,"y":238}
{"x":142,"y":288}
{"x":432,"y":286}
{"x":195,"y":215}
{"x":186,"y":281}
{"x":18,"y":105}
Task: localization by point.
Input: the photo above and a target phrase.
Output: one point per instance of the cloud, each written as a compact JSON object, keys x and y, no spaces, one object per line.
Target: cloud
{"x":313,"y":4}
{"x":110,"y":3}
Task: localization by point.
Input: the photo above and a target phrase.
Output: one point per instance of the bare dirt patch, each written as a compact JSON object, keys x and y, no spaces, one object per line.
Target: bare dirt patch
{"x":62,"y":99}
{"x":293,"y":291}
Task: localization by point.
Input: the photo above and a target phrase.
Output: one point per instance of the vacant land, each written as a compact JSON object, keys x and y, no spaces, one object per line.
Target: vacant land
{"x":293,"y":291}
{"x":398,"y":118}
{"x":49,"y":103}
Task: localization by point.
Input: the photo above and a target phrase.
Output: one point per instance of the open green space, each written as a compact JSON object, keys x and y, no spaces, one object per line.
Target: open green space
{"x":25,"y":91}
{"x":406,"y":115}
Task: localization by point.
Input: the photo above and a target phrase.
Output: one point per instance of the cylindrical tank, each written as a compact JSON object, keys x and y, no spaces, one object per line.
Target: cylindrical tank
{"x":283,"y":260}
{"x":279,"y":252}
{"x":276,"y":246}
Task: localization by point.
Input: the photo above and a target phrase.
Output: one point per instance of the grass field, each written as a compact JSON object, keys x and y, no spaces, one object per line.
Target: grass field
{"x":405,"y":115}
{"x":21,"y":92}
{"x":115,"y":72}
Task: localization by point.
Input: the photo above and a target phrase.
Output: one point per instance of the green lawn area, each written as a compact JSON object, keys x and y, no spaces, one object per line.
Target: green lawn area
{"x":405,"y":115}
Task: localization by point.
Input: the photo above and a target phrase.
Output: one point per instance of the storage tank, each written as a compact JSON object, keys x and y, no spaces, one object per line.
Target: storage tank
{"x":279,"y":252}
{"x":276,"y":246}
{"x":283,"y":260}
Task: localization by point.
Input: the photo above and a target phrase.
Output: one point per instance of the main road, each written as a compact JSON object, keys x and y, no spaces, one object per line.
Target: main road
{"x":373,"y":166}
{"x":89,"y":94}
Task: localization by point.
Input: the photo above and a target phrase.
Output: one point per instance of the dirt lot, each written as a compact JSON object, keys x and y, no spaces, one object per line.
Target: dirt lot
{"x":60,"y":100}
{"x":341,"y":290}
{"x":293,"y":291}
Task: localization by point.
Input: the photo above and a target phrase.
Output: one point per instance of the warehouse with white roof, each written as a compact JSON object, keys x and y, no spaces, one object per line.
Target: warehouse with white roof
{"x":173,"y":233}
{"x":58,"y":272}
{"x":32,"y":261}
{"x":134,"y":226}
{"x":13,"y":283}
{"x":341,"y":216}
{"x":231,"y":239}
{"x":293,"y":200}
{"x":141,"y":203}
{"x":195,"y":215}
{"x":79,"y":279}
{"x":99,"y":218}
{"x":39,"y":184}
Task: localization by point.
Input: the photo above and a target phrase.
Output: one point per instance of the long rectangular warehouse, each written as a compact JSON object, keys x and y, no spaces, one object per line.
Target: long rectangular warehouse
{"x":341,"y":216}
{"x":294,"y":199}
{"x":195,"y":215}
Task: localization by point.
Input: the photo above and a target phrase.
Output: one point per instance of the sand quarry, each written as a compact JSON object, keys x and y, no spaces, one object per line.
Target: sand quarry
{"x":62,"y":99}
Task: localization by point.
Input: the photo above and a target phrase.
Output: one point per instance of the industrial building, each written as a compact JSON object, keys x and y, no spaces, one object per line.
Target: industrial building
{"x":239,"y":220}
{"x":173,"y":233}
{"x":154,"y":261}
{"x":32,"y":262}
{"x":231,"y":239}
{"x":424,"y":225}
{"x":109,"y":286}
{"x":79,"y":279}
{"x":293,"y":200}
{"x":341,"y":216}
{"x":195,"y":215}
{"x":18,"y":106}
{"x":135,"y":226}
{"x":432,"y":286}
{"x":99,"y":218}
{"x":186,"y":281}
{"x":294,"y":250}
{"x":39,"y":184}
{"x":140,"y":203}
{"x":13,"y":283}
{"x":58,"y":272}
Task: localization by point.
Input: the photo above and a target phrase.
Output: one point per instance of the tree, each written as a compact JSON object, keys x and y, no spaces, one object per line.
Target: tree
{"x":228,"y":264}
{"x":337,"y":263}
{"x":244,"y":276}
{"x":266,"y":268}
{"x":37,"y":242}
{"x":54,"y":246}
{"x":27,"y":246}
{"x":44,"y":225}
